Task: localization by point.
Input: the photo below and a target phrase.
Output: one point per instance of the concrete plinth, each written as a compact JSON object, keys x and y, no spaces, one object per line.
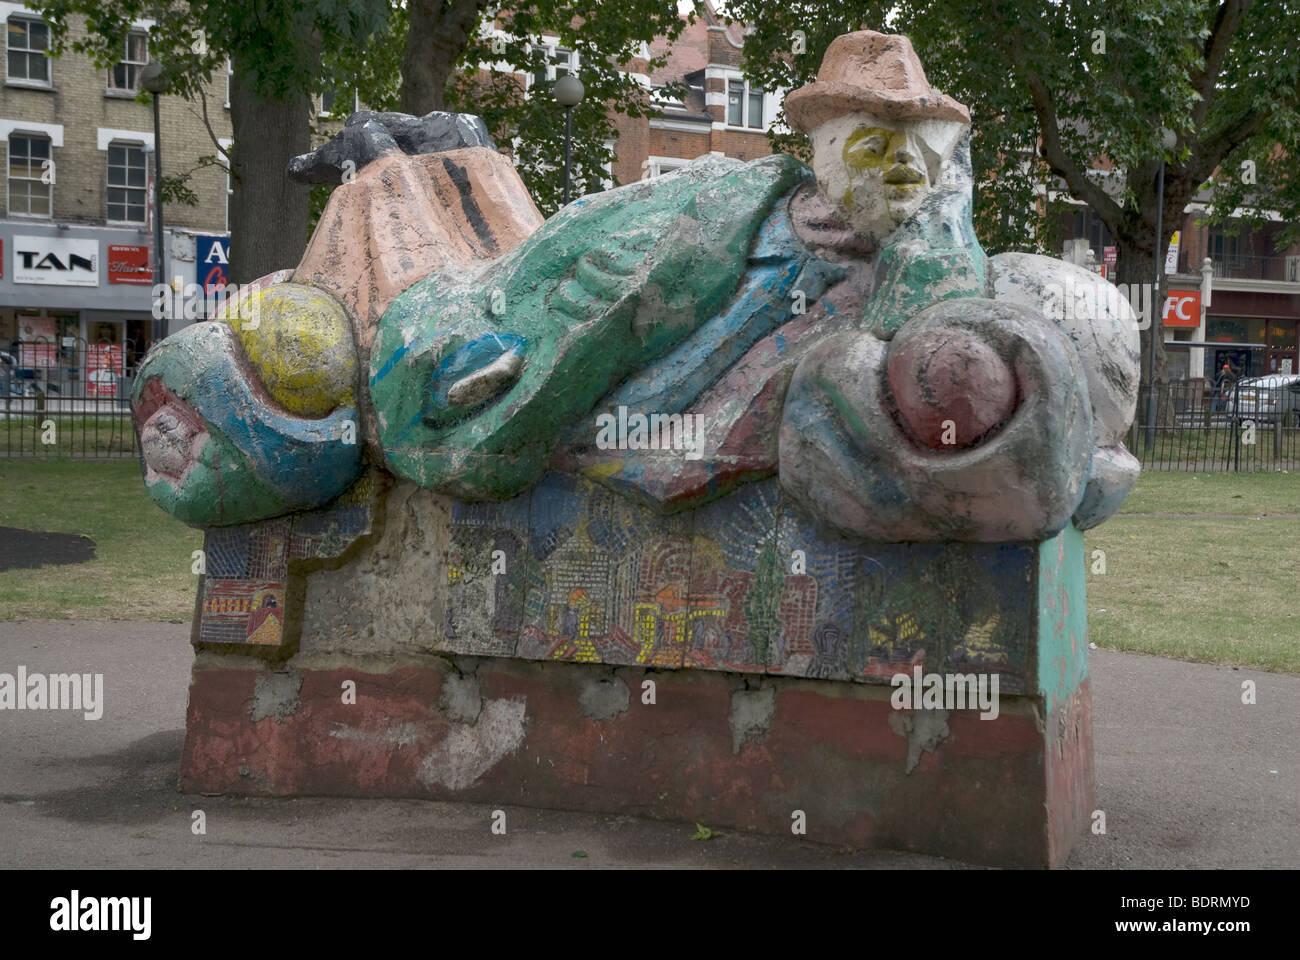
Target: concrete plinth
{"x":732,"y":666}
{"x":721,"y":749}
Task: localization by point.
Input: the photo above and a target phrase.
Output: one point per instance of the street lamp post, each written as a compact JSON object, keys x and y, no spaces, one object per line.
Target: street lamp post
{"x":152,"y":79}
{"x":1168,"y":140}
{"x":568,"y":94}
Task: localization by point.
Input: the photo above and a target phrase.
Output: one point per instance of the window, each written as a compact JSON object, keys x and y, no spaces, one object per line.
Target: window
{"x":658,"y":166}
{"x":1088,"y":226}
{"x":29,"y":194}
{"x":331,"y":99}
{"x":28,"y":40}
{"x":735,"y":103}
{"x":744,"y":105}
{"x":661,"y":98}
{"x":126,"y":183}
{"x":1229,"y":249}
{"x":126,"y":75}
{"x":559,"y":62}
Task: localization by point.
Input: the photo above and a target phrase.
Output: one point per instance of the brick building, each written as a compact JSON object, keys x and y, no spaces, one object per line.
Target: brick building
{"x":719,"y":113}
{"x":1234,"y":298}
{"x":78,"y":155}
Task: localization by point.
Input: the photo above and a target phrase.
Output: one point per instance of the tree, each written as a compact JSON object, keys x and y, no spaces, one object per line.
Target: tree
{"x":439,"y":33}
{"x":275,"y":48}
{"x":1054,"y":88}
{"x":444,"y":43}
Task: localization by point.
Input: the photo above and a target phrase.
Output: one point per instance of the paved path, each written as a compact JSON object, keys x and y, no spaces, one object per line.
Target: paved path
{"x":1187,"y":777}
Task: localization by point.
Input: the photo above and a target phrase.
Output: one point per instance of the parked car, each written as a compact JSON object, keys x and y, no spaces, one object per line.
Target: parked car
{"x":1268,"y":396}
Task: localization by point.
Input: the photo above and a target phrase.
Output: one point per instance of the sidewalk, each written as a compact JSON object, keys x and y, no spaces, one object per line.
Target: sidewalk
{"x":1186,"y":774}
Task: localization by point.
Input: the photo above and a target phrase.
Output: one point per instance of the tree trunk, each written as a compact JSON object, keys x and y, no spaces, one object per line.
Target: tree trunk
{"x":1137,"y":252}
{"x":438,"y":33}
{"x":268,"y":211}
{"x":1135,"y":275}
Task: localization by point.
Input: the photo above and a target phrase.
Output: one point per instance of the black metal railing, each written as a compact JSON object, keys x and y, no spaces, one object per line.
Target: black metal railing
{"x":1203,"y":427}
{"x":72,"y":399}
{"x":1285,"y":267}
{"x":67,"y":398}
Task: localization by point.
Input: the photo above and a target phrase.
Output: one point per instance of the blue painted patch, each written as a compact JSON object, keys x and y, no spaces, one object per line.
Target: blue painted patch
{"x":391,"y":362}
{"x":458,"y":363}
{"x":304,"y":460}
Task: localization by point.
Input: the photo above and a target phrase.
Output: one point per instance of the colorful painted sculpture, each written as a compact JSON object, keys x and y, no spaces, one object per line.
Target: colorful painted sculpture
{"x":747,"y":417}
{"x":471,"y":347}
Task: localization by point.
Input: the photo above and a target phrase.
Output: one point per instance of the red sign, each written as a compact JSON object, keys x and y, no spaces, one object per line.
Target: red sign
{"x":38,"y":355}
{"x":1183,"y":309}
{"x":1110,"y":256}
{"x":103,"y":367}
{"x":129,"y":263}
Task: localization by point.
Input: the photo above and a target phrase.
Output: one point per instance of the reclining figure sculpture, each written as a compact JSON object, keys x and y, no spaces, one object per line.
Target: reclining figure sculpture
{"x":750,"y":417}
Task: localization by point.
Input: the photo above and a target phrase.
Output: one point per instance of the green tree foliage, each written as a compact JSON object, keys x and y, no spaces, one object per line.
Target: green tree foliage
{"x":523,"y":118}
{"x":280,"y":40}
{"x":275,"y":47}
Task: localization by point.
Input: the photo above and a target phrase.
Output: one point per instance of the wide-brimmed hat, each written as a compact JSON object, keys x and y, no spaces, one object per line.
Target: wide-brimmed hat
{"x":877,"y":73}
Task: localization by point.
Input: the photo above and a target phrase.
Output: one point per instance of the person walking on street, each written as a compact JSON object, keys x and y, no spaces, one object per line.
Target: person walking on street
{"x":1223,"y":386}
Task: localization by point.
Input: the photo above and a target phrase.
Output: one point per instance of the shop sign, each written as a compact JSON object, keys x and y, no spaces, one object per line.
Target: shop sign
{"x":103,"y":367}
{"x":129,"y":263}
{"x":212,"y":262}
{"x":1171,"y":255}
{"x":1183,"y":309}
{"x":56,"y":261}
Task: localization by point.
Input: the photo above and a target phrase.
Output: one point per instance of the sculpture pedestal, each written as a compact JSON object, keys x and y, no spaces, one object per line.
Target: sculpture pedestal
{"x":676,"y":673}
{"x":715,"y":749}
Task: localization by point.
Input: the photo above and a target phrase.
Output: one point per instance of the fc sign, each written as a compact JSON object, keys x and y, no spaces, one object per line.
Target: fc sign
{"x":1183,"y":309}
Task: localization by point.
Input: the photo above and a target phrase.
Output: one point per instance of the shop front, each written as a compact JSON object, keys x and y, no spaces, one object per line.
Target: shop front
{"x":1269,"y":320}
{"x":75,"y":306}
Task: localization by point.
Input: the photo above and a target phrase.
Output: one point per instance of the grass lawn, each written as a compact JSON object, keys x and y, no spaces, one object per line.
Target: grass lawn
{"x":78,"y":434}
{"x":141,"y":569}
{"x":1198,"y":566}
{"x":1202,"y":567}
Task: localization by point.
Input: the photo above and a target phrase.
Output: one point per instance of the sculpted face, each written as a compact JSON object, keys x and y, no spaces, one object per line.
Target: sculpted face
{"x":876,"y":173}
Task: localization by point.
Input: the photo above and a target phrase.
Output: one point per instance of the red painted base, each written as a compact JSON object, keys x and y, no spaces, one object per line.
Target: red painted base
{"x":719,"y":749}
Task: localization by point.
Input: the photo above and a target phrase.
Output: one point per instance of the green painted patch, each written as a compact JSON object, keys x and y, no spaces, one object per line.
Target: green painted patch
{"x":1062,"y":616}
{"x":912,"y":282}
{"x":221,"y":488}
{"x":603,"y":288}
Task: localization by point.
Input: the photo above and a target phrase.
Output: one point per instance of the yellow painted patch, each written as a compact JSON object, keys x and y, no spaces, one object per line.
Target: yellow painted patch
{"x":600,"y":471}
{"x":871,"y":148}
{"x":299,"y":341}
